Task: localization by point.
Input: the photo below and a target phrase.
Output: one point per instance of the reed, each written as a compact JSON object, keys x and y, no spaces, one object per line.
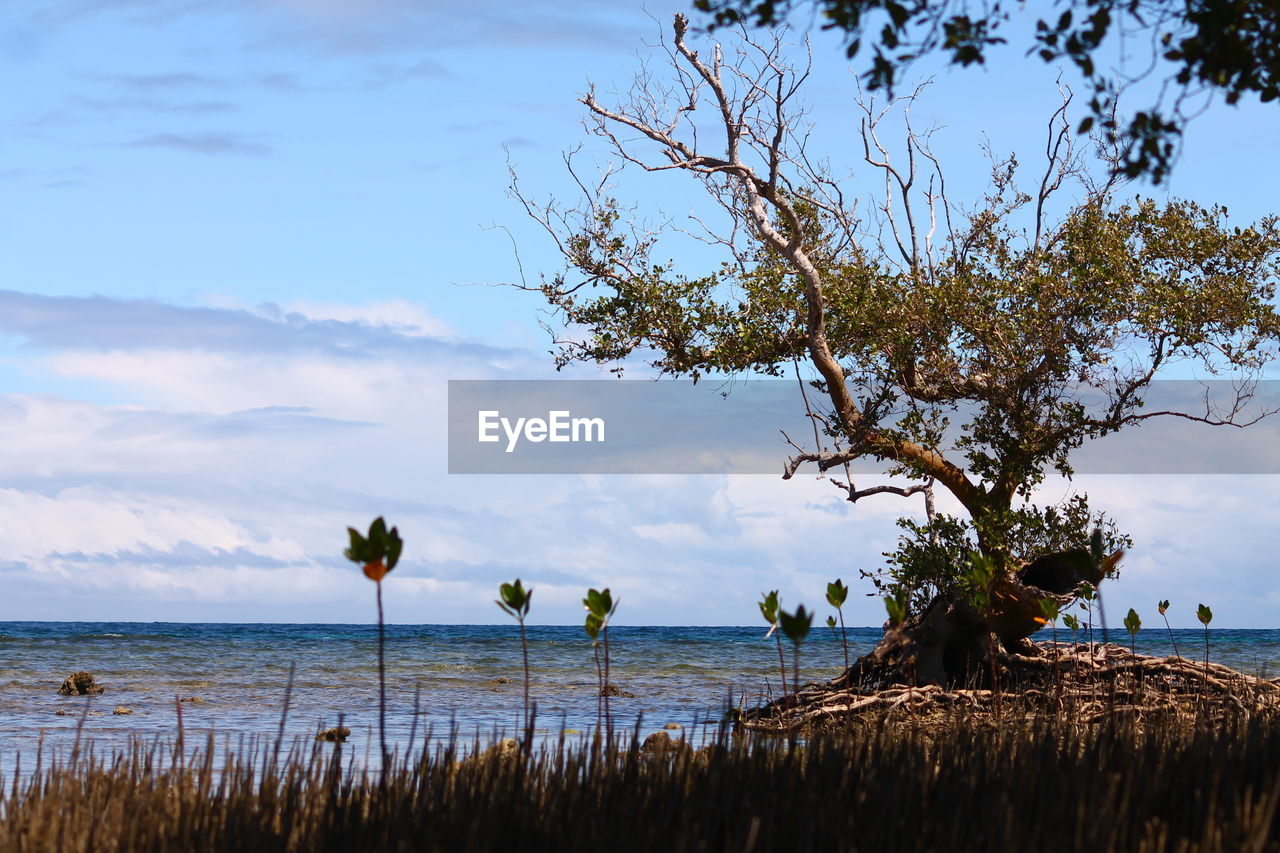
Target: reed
{"x":1035,"y":784}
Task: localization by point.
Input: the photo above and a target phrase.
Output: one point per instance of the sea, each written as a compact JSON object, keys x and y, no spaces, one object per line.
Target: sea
{"x":443,"y":682}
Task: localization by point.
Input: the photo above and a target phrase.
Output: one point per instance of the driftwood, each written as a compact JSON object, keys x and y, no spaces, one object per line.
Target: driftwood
{"x":1081,"y":683}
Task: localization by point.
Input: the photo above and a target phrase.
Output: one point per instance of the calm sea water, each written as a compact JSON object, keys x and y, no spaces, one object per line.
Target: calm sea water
{"x":680,"y":675}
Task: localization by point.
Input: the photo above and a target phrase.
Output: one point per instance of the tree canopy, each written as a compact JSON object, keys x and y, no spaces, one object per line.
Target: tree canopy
{"x":915,"y":311}
{"x":1232,"y":46}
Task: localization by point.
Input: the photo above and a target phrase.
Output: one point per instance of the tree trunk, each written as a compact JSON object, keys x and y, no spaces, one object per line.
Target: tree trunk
{"x":948,"y":644}
{"x":945,"y":645}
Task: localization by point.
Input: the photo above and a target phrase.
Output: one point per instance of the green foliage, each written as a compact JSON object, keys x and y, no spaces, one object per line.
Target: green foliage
{"x":600,"y":603}
{"x":378,"y":551}
{"x":930,"y":559}
{"x":593,"y":625}
{"x":1071,"y":622}
{"x":769,"y":609}
{"x":1228,"y":46}
{"x":515,"y":599}
{"x":1049,"y":608}
{"x":977,"y":580}
{"x":896,"y":606}
{"x":1132,"y":623}
{"x":837,"y":592}
{"x":796,"y":625}
{"x":1163,"y":606}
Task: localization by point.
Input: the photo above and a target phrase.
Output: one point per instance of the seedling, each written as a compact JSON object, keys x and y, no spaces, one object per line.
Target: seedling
{"x":1103,"y":567}
{"x":1070,"y":621}
{"x":837,"y":592}
{"x":601,"y":604}
{"x":895,"y":606}
{"x":1162,"y":607}
{"x":1205,"y":615}
{"x":979,"y":579}
{"x":796,"y":626}
{"x":592,"y":626}
{"x":513,"y":598}
{"x":769,"y":609}
{"x":1049,"y":610}
{"x":377,"y":553}
{"x":1088,"y":593}
{"x":1133,"y":624}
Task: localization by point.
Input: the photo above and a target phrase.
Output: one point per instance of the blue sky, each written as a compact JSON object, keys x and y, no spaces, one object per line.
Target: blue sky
{"x":246,"y":243}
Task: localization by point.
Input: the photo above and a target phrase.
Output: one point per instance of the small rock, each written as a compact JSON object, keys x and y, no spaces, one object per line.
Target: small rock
{"x":61,"y":712}
{"x":660,"y":743}
{"x":337,"y":734}
{"x":612,"y":690}
{"x":122,"y":711}
{"x":673,"y":727}
{"x":501,"y":680}
{"x":79,"y":684}
{"x":506,"y":749}
{"x":194,"y":700}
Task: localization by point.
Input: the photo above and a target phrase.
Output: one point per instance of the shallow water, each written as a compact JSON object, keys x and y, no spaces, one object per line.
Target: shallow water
{"x":680,"y":675}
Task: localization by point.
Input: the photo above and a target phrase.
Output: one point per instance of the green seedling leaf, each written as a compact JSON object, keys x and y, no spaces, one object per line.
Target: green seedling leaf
{"x":837,"y":592}
{"x":1204,"y":614}
{"x":593,"y":625}
{"x":1132,"y":622}
{"x":514,"y":599}
{"x":769,"y":608}
{"x":1071,"y":621}
{"x":796,"y":625}
{"x":1162,"y":606}
{"x":600,"y":602}
{"x":896,"y":606}
{"x":394,"y":546}
{"x":378,"y":552}
{"x":1049,"y":609}
{"x":831,"y":622}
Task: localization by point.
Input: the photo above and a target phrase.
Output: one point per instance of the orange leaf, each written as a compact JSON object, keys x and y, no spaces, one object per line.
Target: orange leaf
{"x":375,"y":571}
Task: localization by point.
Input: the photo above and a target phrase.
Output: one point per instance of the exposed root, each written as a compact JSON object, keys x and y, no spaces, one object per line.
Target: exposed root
{"x":1079,"y":683}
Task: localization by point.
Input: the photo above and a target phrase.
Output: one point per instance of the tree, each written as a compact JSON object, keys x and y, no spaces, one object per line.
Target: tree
{"x":1227,"y":45}
{"x":1002,"y":317}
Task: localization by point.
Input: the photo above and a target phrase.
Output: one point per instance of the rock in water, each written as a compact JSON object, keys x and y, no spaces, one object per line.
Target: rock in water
{"x":613,"y":690}
{"x":661,"y":743}
{"x":79,"y":684}
{"x":507,"y":749}
{"x":122,"y":711}
{"x":337,"y":734}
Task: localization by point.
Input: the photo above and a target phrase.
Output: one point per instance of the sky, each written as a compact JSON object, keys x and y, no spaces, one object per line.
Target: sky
{"x":246,"y":243}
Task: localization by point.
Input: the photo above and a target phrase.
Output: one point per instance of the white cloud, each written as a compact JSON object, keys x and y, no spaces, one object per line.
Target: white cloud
{"x":253,"y":437}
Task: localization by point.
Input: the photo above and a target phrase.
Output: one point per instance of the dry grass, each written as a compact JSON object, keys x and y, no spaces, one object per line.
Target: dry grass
{"x":1175,"y":784}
